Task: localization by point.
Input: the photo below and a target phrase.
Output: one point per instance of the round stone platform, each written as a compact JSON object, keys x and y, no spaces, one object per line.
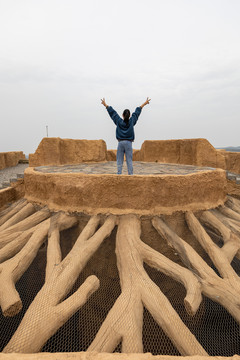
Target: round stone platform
{"x":153,"y":189}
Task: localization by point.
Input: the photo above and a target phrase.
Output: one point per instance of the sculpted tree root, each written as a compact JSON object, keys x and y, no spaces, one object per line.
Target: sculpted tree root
{"x":230,"y":239}
{"x":12,"y":243}
{"x":225,"y":289}
{"x":12,"y":232}
{"x":225,"y":221}
{"x":228,"y":218}
{"x":21,"y":214}
{"x":24,"y":230}
{"x":11,"y":270}
{"x":11,"y":210}
{"x":13,"y":247}
{"x":47,"y":313}
{"x":124,"y":321}
{"x":233,"y":204}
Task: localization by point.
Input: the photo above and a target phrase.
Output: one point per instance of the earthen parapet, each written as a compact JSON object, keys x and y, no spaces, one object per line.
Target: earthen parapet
{"x":140,"y":194}
{"x":11,"y":158}
{"x":57,"y":151}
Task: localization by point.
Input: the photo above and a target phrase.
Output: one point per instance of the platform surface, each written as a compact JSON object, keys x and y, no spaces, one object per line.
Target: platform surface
{"x":110,"y":167}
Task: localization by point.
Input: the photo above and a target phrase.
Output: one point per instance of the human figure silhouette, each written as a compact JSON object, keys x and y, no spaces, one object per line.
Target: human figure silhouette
{"x":125,"y":133}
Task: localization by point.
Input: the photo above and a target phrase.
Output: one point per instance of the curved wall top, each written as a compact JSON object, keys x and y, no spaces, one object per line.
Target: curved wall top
{"x":121,"y":194}
{"x":56,"y":151}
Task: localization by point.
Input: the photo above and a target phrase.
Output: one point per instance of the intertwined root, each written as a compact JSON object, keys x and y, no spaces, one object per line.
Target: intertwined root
{"x":124,"y":321}
{"x":23,"y":229}
{"x":48,"y":312}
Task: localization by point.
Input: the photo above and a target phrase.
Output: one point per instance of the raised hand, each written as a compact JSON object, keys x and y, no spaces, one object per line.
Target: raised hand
{"x":103,"y":102}
{"x":146,"y":102}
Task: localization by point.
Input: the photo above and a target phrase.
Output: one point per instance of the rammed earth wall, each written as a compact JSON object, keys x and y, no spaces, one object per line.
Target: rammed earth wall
{"x":56,"y":151}
{"x":8,"y":159}
{"x":184,"y":151}
{"x":140,"y":194}
{"x":199,"y":152}
{"x":12,"y":193}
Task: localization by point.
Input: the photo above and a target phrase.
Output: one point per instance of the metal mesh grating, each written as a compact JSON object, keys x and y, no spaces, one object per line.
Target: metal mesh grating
{"x":214,"y":328}
{"x":212,"y":325}
{"x":28,"y":287}
{"x":155,"y":340}
{"x":80,"y":330}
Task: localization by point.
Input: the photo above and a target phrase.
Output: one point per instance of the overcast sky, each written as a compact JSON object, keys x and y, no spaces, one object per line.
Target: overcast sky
{"x":58,"y":58}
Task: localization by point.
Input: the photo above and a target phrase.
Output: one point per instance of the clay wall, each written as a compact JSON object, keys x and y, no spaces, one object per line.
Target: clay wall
{"x":112,"y":155}
{"x":56,"y":151}
{"x":184,"y":151}
{"x":151,"y":194}
{"x":6,"y":196}
{"x":11,"y":158}
{"x":12,"y":193}
{"x":199,"y":152}
{"x":232,"y":161}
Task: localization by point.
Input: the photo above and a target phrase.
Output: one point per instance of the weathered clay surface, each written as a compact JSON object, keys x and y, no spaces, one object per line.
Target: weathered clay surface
{"x":12,"y":158}
{"x":232,"y":161}
{"x":233,"y":189}
{"x":13,"y":193}
{"x":56,"y":151}
{"x":112,"y":155}
{"x":19,"y":189}
{"x":6,"y":196}
{"x":136,"y":155}
{"x":184,"y":151}
{"x":159,"y":194}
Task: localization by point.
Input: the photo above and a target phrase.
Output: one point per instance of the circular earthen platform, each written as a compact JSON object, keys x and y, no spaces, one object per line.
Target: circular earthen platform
{"x":153,"y":189}
{"x":139,"y":167}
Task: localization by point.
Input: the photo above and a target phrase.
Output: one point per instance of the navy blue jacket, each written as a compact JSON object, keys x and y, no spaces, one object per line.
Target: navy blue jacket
{"x":124,"y":132}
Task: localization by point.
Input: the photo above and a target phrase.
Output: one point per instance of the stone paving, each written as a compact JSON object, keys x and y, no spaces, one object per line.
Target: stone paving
{"x":11,"y":174}
{"x":110,"y":167}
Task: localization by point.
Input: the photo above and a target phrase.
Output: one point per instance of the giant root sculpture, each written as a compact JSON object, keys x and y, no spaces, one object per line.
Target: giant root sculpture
{"x":24,"y":228}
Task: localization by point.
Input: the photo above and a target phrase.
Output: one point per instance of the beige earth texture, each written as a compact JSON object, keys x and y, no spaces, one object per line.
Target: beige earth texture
{"x":100,"y":266}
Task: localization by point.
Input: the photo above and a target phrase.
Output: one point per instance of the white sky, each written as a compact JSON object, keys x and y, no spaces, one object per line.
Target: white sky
{"x":58,"y":58}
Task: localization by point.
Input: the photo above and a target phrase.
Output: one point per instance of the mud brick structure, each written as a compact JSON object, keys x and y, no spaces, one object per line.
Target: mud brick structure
{"x":141,"y":194}
{"x":56,"y":151}
{"x":11,"y":158}
{"x":97,"y":266}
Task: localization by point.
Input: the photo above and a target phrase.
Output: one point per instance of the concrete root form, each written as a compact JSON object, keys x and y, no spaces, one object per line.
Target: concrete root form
{"x":225,"y":289}
{"x":48,"y":312}
{"x":11,"y":270}
{"x":125,"y":319}
{"x":9,"y":234}
{"x":24,"y":230}
{"x":11,"y":210}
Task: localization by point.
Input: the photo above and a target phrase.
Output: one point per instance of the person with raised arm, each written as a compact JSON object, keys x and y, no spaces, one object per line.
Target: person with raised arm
{"x":125,"y":133}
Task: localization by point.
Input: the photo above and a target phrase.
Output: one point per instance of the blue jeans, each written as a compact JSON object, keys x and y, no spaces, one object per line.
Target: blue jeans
{"x":124,"y":146}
